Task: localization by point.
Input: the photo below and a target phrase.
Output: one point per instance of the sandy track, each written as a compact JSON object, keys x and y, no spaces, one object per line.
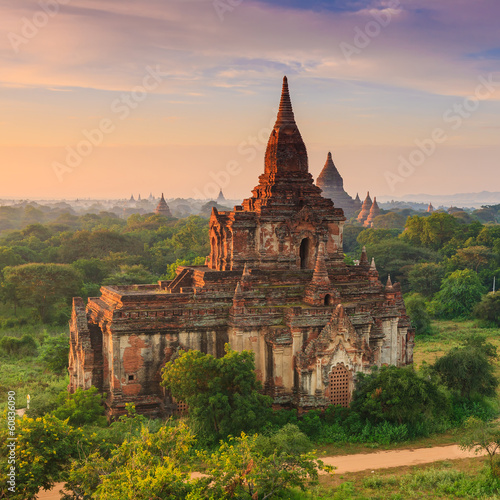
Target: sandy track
{"x":361,"y":461}
{"x":396,"y":458}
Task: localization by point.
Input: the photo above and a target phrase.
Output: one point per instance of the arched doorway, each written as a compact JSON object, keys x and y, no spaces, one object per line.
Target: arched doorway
{"x":304,"y":253}
{"x":328,"y":300}
{"x":339,"y":388}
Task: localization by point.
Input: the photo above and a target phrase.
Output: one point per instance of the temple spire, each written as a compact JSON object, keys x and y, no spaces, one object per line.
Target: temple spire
{"x":285,"y":113}
{"x":320,"y":275}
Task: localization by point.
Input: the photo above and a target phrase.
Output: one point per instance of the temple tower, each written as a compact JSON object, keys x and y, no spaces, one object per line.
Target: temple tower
{"x":365,"y":209}
{"x":283,"y":223}
{"x":162,"y":208}
{"x":374,"y":212}
{"x":331,"y":183}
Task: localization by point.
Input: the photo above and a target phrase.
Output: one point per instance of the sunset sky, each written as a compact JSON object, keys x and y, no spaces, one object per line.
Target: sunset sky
{"x":185,"y":92}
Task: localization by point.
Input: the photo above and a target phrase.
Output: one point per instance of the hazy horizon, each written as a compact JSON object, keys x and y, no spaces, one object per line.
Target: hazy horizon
{"x":405,"y":94}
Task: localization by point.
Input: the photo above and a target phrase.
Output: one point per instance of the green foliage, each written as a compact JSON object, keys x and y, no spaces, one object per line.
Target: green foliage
{"x":399,"y":396}
{"x":222,"y":393}
{"x":150,"y":465}
{"x":44,"y":448}
{"x":18,"y":347}
{"x":256,"y":467}
{"x":130,"y":275}
{"x":489,"y":308}
{"x":431,"y":232}
{"x":459,"y":293}
{"x":82,"y":407}
{"x":468,"y":369}
{"x":172,"y":268}
{"x":396,"y":257}
{"x":42,"y":286}
{"x":416,"y":308}
{"x":55,"y":351}
{"x":483,"y":436}
{"x":372,"y":236}
{"x":350,"y":236}
{"x":425,"y":278}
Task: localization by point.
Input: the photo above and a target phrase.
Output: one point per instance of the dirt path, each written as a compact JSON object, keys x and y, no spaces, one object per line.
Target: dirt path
{"x":361,"y":461}
{"x":396,"y":458}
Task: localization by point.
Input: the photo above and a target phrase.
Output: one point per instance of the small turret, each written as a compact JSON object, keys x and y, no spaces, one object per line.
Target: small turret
{"x":365,"y":209}
{"x":374,"y":212}
{"x":162,"y":208}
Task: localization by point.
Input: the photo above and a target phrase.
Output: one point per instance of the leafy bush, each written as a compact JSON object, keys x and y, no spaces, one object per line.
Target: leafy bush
{"x":399,"y":396}
{"x":489,"y":308}
{"x":459,"y":293}
{"x":416,"y":308}
{"x":222,"y":393}
{"x":19,"y":347}
{"x":55,"y":351}
{"x":468,"y":369}
{"x":82,"y":407}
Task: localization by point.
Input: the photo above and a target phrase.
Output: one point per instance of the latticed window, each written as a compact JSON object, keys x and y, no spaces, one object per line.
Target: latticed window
{"x":339,"y":389}
{"x":181,"y":408}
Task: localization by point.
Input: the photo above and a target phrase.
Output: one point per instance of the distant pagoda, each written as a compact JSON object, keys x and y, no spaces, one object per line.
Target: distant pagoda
{"x":365,"y":209}
{"x":162,"y":208}
{"x":374,"y":212}
{"x":220,"y":199}
{"x":331,"y":183}
{"x":430,"y":208}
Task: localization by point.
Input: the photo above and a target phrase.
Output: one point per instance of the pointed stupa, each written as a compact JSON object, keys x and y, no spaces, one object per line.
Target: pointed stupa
{"x":286,"y":151}
{"x":139,"y":198}
{"x":373,"y":267}
{"x":357,"y":201}
{"x":320,"y":275}
{"x":374,"y":212}
{"x":286,"y":181}
{"x":220,"y":198}
{"x":331,"y":183}
{"x":363,"y":261}
{"x":246,"y":271}
{"x":132,"y":198}
{"x":162,"y":208}
{"x":365,"y":209}
{"x":388,"y":285}
{"x":330,"y":176}
{"x":430,"y":208}
{"x":151,"y":197}
{"x":238,"y":293}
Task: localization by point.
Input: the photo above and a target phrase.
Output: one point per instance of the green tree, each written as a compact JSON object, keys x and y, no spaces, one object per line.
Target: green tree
{"x":425,"y":278}
{"x":372,"y":236}
{"x":42,"y":286}
{"x":130,"y":275}
{"x":481,"y":437}
{"x":55,"y":351}
{"x":432,"y":232}
{"x":258,"y":468}
{"x":398,"y":395}
{"x":416,"y":308}
{"x":82,"y":407}
{"x":222,"y":393}
{"x":459,"y":293}
{"x":469,"y":369}
{"x":44,"y":449}
{"x":472,"y":257}
{"x":396,"y":257}
{"x":489,"y":308}
{"x":150,"y":465}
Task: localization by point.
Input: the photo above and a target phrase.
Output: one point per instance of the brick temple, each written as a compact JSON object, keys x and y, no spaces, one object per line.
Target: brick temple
{"x":275,"y":282}
{"x":332,"y":186}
